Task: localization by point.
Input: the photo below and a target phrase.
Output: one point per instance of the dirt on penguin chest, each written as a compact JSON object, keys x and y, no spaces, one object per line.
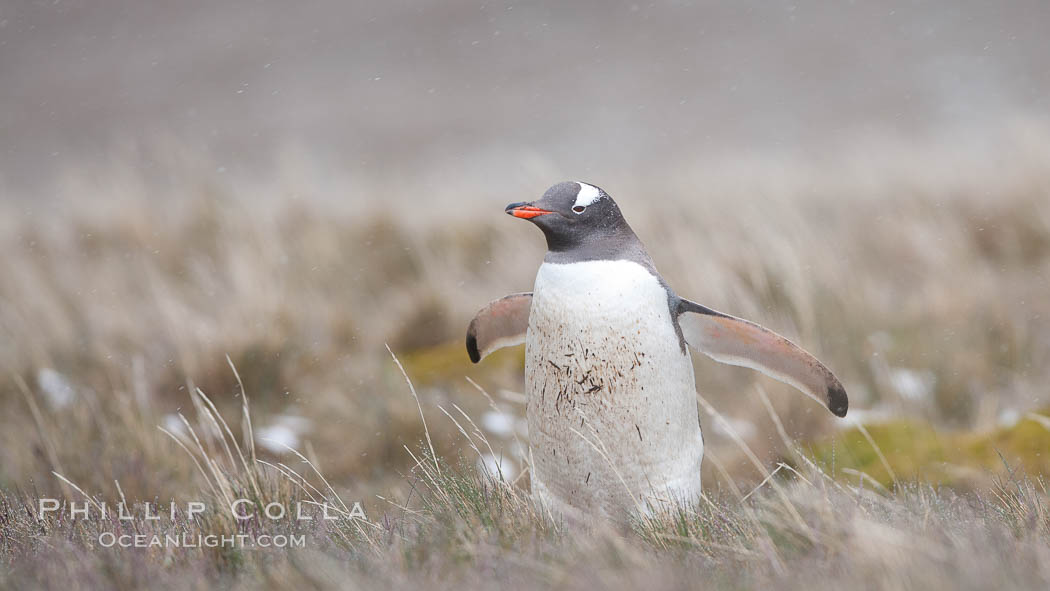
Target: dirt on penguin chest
{"x":586,"y":375}
{"x":611,"y":402}
{"x":603,"y":379}
{"x":601,"y":344}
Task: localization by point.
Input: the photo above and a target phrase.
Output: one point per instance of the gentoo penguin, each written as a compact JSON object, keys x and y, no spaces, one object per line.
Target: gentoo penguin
{"x":611,"y":400}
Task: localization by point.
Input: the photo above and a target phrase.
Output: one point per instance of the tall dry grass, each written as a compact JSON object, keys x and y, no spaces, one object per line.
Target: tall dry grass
{"x":456,"y":528}
{"x":918,"y":272}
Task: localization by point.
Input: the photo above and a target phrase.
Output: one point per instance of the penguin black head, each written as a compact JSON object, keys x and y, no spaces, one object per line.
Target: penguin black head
{"x":573,"y":215}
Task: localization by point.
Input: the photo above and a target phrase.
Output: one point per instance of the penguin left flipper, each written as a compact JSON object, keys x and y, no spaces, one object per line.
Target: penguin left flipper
{"x":502,"y":323}
{"x":736,"y":341}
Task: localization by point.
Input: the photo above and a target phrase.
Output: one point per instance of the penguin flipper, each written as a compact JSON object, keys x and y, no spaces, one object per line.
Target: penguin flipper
{"x":502,"y":323}
{"x":736,"y":341}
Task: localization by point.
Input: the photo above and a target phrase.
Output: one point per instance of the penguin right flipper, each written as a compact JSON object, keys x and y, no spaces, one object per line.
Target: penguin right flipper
{"x":736,"y":341}
{"x":502,"y":323}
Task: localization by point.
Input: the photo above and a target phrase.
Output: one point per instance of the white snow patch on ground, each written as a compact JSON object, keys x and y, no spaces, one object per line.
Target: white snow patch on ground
{"x":57,"y":389}
{"x":284,"y":431}
{"x":499,"y":424}
{"x":913,"y":384}
{"x":497,"y":466}
{"x":1008,"y":417}
{"x":173,"y":424}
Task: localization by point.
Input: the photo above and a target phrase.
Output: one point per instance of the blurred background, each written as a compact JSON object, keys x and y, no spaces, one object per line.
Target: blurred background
{"x":293,"y":187}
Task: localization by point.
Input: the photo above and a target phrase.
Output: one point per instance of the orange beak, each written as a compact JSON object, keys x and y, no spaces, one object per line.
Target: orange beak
{"x":525,"y":212}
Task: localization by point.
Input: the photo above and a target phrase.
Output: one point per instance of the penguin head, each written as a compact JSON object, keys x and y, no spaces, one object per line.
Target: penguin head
{"x":573,"y":214}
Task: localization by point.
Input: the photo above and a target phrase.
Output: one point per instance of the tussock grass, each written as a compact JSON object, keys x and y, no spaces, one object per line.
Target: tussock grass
{"x":918,"y":273}
{"x":458,"y":528}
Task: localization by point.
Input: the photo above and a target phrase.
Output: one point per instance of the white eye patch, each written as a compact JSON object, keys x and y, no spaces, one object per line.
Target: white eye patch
{"x":588,"y":194}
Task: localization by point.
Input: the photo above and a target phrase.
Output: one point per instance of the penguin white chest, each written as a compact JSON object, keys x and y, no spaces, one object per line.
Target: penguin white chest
{"x":612,"y":415}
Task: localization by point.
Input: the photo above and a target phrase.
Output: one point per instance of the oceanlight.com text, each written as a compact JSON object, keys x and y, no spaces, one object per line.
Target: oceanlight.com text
{"x":110,"y":539}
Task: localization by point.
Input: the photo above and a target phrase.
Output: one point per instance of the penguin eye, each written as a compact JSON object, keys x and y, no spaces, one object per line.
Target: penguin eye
{"x":579,"y":208}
